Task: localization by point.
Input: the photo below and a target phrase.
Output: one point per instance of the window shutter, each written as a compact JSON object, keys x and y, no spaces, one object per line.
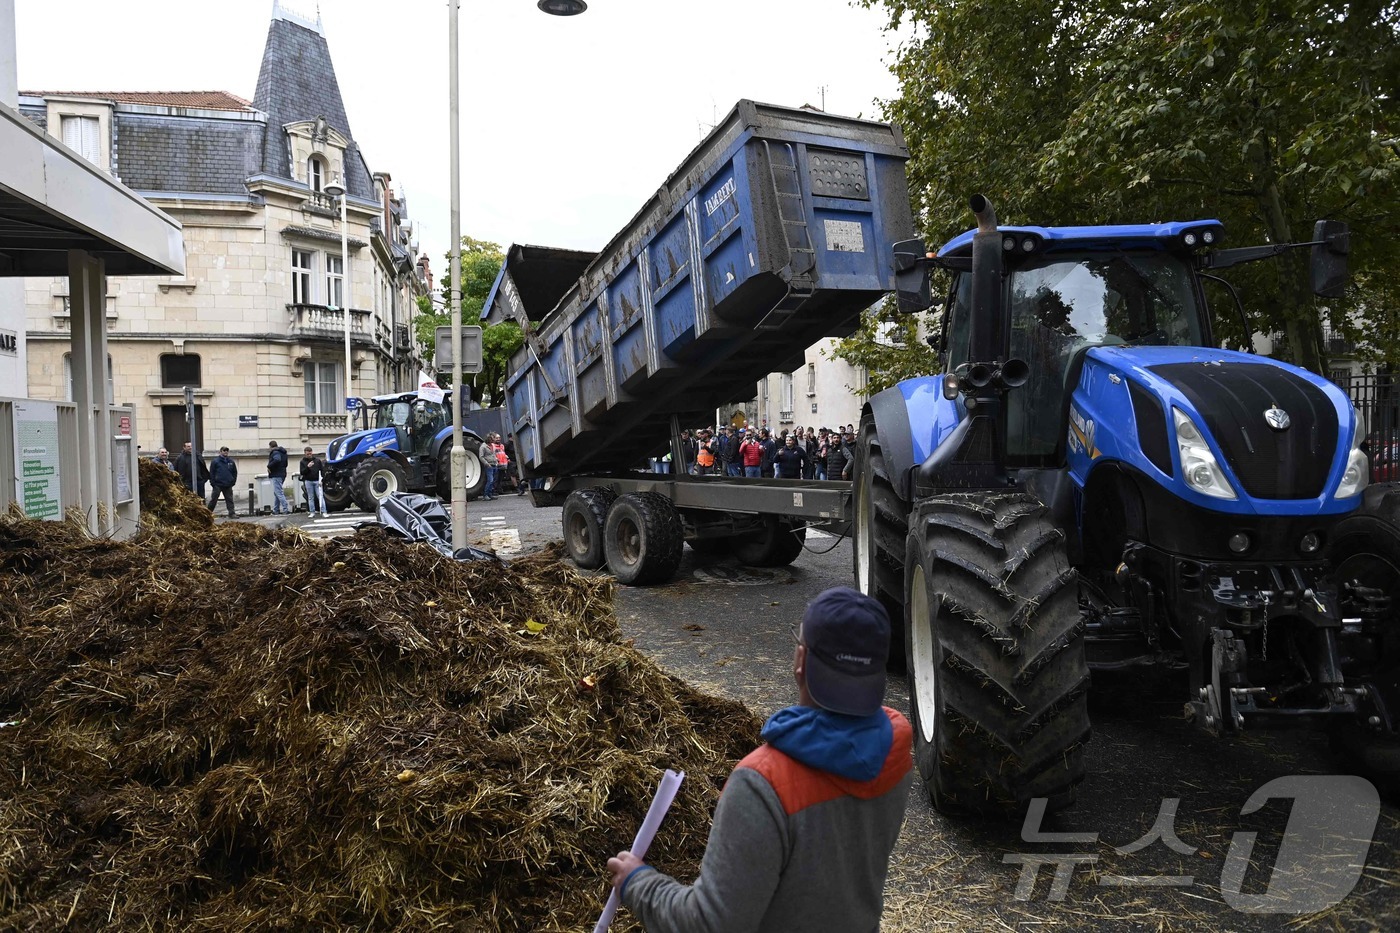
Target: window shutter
{"x":81,"y":134}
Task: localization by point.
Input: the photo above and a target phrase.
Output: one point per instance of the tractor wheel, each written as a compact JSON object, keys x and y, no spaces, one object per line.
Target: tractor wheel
{"x":878,"y":529}
{"x":643,"y":538}
{"x":338,"y":498}
{"x":1365,"y":551}
{"x":476,"y":474}
{"x":997,"y":672}
{"x":585,"y":516}
{"x":376,"y":478}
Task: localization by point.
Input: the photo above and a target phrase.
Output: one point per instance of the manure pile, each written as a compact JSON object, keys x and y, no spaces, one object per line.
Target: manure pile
{"x":165,"y":501}
{"x":243,"y":729}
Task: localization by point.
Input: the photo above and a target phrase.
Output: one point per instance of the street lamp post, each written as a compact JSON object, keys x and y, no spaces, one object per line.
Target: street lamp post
{"x":459,"y":452}
{"x":337,"y":190}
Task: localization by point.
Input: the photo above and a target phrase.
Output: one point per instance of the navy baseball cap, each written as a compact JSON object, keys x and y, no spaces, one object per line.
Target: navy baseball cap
{"x":847,"y":635}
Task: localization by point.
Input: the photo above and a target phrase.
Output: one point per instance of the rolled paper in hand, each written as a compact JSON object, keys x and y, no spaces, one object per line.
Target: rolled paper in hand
{"x":665,"y":794}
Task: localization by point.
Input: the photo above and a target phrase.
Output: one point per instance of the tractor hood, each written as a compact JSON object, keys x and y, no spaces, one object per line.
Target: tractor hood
{"x":1278,"y":432}
{"x":360,"y":443}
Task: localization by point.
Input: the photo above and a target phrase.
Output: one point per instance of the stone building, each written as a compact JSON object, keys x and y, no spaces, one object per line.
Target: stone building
{"x":257,"y":322}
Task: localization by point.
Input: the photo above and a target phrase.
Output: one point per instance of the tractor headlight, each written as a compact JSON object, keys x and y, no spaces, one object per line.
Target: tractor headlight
{"x":1198,"y":465}
{"x":1358,"y":472}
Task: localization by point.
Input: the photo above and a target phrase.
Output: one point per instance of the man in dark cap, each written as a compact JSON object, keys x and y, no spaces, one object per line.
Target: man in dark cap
{"x":803,"y":831}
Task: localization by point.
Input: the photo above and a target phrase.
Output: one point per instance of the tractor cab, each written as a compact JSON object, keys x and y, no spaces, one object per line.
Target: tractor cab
{"x":1066,"y":291}
{"x":416,"y":421}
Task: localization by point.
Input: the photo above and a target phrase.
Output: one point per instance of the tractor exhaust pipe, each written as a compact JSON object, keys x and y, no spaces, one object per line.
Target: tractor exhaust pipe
{"x":987,"y":336}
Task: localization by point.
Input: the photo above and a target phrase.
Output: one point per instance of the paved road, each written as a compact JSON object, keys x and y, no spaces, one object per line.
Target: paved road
{"x":726,"y":629}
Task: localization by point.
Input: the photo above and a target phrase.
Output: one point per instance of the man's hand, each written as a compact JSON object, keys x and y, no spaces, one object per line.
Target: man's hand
{"x":622,"y":865}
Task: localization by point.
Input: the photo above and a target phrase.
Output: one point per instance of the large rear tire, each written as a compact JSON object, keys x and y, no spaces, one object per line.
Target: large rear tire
{"x":997,"y":672}
{"x":1365,"y":551}
{"x":376,"y":478}
{"x":476,"y":474}
{"x":643,"y":538}
{"x":878,"y":528}
{"x":585,"y":515}
{"x":777,"y":544}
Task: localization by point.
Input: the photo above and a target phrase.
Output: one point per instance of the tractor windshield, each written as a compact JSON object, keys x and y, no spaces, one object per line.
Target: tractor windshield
{"x":392,"y":415}
{"x":1061,"y":305}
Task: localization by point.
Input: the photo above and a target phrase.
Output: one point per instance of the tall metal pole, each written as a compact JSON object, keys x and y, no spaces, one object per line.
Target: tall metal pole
{"x":459,"y":452}
{"x":345,"y":298}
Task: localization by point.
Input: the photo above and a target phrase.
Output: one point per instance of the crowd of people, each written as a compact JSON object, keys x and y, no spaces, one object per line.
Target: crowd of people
{"x":797,"y":453}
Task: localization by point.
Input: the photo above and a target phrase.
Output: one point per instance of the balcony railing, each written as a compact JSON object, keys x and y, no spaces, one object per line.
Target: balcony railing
{"x":785,"y":417}
{"x":402,"y":339}
{"x":322,"y":424}
{"x":318,"y":202}
{"x":319,"y":322}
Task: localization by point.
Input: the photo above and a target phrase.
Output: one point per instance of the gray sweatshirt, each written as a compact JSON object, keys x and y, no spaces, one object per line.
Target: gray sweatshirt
{"x":793,"y":848}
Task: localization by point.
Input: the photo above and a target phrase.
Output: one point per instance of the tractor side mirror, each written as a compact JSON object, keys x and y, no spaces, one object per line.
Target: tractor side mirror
{"x":1331,"y":244}
{"x":911,"y":276}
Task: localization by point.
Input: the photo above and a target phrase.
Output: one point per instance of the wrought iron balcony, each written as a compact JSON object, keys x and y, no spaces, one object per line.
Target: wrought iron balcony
{"x":402,"y":337}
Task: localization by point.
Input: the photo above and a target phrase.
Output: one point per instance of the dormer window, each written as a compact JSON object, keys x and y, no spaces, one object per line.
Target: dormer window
{"x":316,"y":173}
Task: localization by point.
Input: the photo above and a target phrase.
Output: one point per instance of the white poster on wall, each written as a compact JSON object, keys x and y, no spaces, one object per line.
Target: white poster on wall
{"x":36,"y":459}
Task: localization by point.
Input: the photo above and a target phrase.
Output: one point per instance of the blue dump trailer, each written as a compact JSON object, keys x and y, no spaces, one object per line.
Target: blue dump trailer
{"x":776,"y":231}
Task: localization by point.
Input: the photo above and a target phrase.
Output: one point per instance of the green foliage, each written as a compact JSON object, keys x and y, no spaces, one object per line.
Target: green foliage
{"x":1266,"y":115}
{"x":890,"y":346}
{"x":481,"y":263}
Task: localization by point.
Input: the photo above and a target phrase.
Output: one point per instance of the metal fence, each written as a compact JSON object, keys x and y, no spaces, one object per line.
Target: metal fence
{"x":1377,"y":396}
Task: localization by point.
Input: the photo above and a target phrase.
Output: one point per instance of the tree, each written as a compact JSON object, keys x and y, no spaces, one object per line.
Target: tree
{"x":1266,"y":115}
{"x":481,"y":264}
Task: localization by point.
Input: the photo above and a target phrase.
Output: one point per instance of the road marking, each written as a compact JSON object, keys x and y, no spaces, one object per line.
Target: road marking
{"x":814,"y":533}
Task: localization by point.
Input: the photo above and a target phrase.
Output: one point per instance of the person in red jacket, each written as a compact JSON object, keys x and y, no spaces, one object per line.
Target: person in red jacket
{"x":806,"y":823}
{"x":751,"y":454}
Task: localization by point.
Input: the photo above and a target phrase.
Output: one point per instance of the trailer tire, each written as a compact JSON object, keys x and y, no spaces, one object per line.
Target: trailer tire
{"x":777,"y":544}
{"x":1365,"y":550}
{"x":997,"y":671}
{"x":643,"y":538}
{"x":585,"y":515}
{"x":879,"y":526}
{"x":476,"y":475}
{"x":708,"y":546}
{"x":376,"y":478}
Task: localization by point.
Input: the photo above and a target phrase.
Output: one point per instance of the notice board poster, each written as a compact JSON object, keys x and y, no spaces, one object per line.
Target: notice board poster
{"x":36,"y":459}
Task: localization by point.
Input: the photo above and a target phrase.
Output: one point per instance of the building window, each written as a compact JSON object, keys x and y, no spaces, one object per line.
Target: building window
{"x":179,"y":369}
{"x":811,"y":379}
{"x":323,"y":393}
{"x":335,"y":281}
{"x":301,"y":277}
{"x":83,"y":136}
{"x":785,"y":400}
{"x":68,"y":378}
{"x":315,"y":173}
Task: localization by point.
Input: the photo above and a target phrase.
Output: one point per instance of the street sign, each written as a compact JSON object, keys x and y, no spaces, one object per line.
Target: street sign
{"x":247,"y":421}
{"x":471,"y":349}
{"x":352,"y":404}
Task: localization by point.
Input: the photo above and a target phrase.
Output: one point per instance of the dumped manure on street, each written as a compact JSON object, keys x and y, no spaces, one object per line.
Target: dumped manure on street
{"x":165,"y":501}
{"x":242,"y":729}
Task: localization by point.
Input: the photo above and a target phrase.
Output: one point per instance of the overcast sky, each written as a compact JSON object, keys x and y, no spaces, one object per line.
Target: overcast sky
{"x":568,"y":123}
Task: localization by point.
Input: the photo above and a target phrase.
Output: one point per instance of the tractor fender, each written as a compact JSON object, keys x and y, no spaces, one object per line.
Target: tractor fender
{"x":470,"y":440}
{"x":912,"y":418}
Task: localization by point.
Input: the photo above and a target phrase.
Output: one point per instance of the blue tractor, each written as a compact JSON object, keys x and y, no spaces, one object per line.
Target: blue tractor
{"x":1091,"y":485}
{"x":407,"y":448}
